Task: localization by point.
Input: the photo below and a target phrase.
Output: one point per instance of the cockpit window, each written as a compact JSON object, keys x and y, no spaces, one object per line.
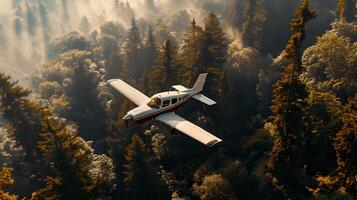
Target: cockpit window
{"x":155,"y":102}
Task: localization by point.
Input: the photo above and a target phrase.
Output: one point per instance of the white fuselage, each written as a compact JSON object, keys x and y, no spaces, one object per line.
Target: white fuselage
{"x":160,"y":103}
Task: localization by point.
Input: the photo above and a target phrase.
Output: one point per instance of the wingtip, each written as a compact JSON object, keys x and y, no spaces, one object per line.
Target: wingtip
{"x":213,"y":142}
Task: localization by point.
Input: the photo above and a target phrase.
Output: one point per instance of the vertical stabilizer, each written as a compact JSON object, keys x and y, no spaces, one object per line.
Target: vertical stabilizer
{"x":198,"y":87}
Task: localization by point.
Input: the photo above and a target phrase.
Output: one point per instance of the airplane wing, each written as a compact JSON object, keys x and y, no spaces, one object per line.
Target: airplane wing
{"x":131,"y":93}
{"x":189,"y":128}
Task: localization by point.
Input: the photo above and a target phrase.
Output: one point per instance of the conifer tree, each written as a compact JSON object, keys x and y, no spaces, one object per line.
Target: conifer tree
{"x":213,"y":45}
{"x":212,"y":57}
{"x":79,"y":173}
{"x":287,"y":108}
{"x":167,"y":59}
{"x":31,"y":20}
{"x":150,"y":48}
{"x":43,"y":15}
{"x":85,"y":105}
{"x":22,"y":114}
{"x":132,"y":49}
{"x":84,"y":25}
{"x":18,"y":25}
{"x":140,"y":180}
{"x":347,"y":10}
{"x":254,"y":17}
{"x":134,"y":37}
{"x":345,"y":144}
{"x":189,"y":54}
{"x":5,"y":181}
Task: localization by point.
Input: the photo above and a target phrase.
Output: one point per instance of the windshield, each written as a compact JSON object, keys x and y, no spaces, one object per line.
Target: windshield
{"x":155,"y":103}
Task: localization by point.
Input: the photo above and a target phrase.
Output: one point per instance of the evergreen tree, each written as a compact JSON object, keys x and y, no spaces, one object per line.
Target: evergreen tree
{"x":86,"y":109}
{"x":347,"y":10}
{"x":254,"y":17}
{"x":114,"y":29}
{"x":323,"y":60}
{"x":84,"y":25}
{"x":31,"y":21}
{"x":214,"y":187}
{"x":212,"y":57}
{"x":150,"y":48}
{"x":213,"y":45}
{"x":324,"y":113}
{"x":5,"y":181}
{"x":167,"y":59}
{"x":287,"y":108}
{"x":134,"y":37}
{"x":79,"y":173}
{"x":43,"y":16}
{"x":18,"y":23}
{"x":22,"y":114}
{"x":345,"y":144}
{"x":189,"y":54}
{"x":140,"y":180}
{"x":109,"y":51}
{"x":132,"y":48}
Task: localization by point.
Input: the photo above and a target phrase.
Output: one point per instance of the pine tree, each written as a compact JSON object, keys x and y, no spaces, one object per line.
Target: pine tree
{"x":189,"y":54}
{"x":86,"y":109}
{"x":140,"y":181}
{"x":150,"y":48}
{"x":84,"y":25}
{"x":347,"y":10}
{"x":212,"y":57}
{"x":213,"y":45}
{"x":22,"y":114}
{"x":287,"y":108}
{"x":132,"y":49}
{"x":78,"y":172}
{"x":214,"y":187}
{"x":5,"y":181}
{"x":345,"y":144}
{"x":18,"y":23}
{"x":43,"y":16}
{"x":167,"y":59}
{"x":134,"y":37}
{"x":254,"y":17}
{"x":31,"y":21}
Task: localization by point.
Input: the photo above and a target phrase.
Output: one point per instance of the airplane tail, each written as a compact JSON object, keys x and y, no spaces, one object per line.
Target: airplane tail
{"x":200,"y":82}
{"x":198,"y":87}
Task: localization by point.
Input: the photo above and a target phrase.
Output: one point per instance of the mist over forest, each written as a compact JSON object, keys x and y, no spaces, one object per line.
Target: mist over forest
{"x":283,"y":74}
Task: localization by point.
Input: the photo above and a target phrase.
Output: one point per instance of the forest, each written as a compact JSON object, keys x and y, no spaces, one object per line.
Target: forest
{"x":283,"y":74}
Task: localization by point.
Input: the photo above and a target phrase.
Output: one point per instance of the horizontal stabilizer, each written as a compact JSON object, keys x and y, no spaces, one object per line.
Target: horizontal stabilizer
{"x":179,"y":88}
{"x":202,"y":98}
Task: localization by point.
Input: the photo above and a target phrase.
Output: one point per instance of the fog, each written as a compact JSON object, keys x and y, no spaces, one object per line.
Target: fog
{"x":26,"y":26}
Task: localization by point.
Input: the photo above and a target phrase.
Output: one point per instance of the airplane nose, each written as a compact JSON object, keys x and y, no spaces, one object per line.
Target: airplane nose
{"x":127,"y":117}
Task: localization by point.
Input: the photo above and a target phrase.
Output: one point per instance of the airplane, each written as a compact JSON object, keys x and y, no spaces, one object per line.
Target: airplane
{"x":162,"y":107}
